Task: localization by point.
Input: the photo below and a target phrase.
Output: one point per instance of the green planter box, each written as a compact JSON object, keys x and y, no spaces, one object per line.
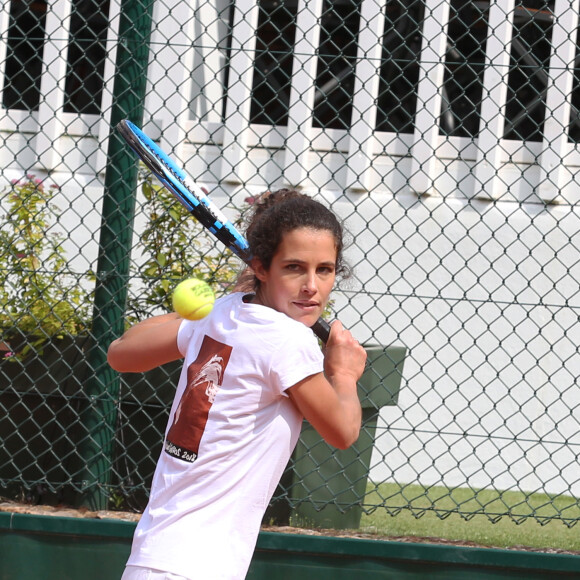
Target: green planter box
{"x":41,"y":399}
{"x":326,"y":486}
{"x":43,"y":410}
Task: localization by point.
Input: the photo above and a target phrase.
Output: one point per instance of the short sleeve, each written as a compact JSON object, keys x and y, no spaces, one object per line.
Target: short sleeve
{"x":184,"y":334}
{"x":299,"y":358}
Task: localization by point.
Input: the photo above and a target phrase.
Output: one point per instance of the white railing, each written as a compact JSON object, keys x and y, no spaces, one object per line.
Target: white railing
{"x":187,"y":100}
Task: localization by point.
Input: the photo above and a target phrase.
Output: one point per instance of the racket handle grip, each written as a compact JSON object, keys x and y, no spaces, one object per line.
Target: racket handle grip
{"x":322,"y":329}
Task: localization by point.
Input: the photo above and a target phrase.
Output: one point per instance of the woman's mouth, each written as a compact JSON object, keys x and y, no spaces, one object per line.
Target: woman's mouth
{"x":306,"y":305}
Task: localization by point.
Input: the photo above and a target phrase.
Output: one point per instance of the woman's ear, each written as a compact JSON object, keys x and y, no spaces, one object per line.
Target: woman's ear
{"x":259,"y":271}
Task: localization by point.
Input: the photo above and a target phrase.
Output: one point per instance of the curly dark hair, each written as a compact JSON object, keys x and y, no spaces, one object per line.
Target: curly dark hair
{"x":276,"y":213}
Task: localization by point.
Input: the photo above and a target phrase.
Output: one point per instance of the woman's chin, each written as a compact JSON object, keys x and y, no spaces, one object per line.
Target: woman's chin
{"x":308,"y":319}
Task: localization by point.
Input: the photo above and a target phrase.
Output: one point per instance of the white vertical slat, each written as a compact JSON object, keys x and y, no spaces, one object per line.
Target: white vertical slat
{"x":170,"y":66}
{"x":301,"y":104}
{"x":554,"y":174}
{"x":4,"y":24}
{"x":50,"y":125}
{"x":366,"y":89}
{"x":209,"y":62}
{"x":493,"y":104}
{"x":234,"y":167}
{"x":108,"y":83}
{"x":429,"y":97}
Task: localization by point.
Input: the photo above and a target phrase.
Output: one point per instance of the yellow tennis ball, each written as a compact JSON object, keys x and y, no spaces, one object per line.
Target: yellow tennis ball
{"x":193,"y":299}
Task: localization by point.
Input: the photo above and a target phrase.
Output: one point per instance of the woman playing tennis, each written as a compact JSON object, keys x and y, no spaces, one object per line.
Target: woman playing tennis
{"x":253,"y":369}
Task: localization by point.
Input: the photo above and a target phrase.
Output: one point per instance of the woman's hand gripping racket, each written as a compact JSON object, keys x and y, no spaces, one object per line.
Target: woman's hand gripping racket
{"x":194,"y":199}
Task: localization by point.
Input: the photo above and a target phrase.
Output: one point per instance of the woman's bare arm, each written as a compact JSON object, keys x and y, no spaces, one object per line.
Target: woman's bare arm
{"x":329,"y":400}
{"x":148,"y":344}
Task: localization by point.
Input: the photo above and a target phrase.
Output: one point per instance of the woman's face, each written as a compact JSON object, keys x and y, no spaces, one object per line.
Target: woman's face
{"x":301,"y":275}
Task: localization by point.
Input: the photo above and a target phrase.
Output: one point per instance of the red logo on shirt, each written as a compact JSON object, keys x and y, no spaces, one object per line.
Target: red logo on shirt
{"x":204,"y":379}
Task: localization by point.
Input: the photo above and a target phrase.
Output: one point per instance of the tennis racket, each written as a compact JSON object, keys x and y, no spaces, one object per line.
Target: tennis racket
{"x":194,"y":199}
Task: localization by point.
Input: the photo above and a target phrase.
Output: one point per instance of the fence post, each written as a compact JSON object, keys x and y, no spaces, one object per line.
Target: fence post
{"x":114,"y":251}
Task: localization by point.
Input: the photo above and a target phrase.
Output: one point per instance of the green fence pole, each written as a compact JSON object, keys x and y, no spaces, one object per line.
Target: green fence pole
{"x":114,"y":251}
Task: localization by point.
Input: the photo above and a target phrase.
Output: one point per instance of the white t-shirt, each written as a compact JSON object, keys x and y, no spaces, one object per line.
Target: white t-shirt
{"x":231,"y":431}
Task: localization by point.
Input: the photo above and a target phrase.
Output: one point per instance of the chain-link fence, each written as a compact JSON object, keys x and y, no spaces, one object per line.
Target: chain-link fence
{"x":444,"y":133}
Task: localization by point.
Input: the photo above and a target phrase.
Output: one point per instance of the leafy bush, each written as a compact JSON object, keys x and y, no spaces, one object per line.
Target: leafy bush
{"x":40,"y":297}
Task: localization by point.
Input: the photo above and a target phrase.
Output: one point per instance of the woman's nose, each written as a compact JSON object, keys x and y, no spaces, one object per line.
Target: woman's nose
{"x":310,"y":283}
